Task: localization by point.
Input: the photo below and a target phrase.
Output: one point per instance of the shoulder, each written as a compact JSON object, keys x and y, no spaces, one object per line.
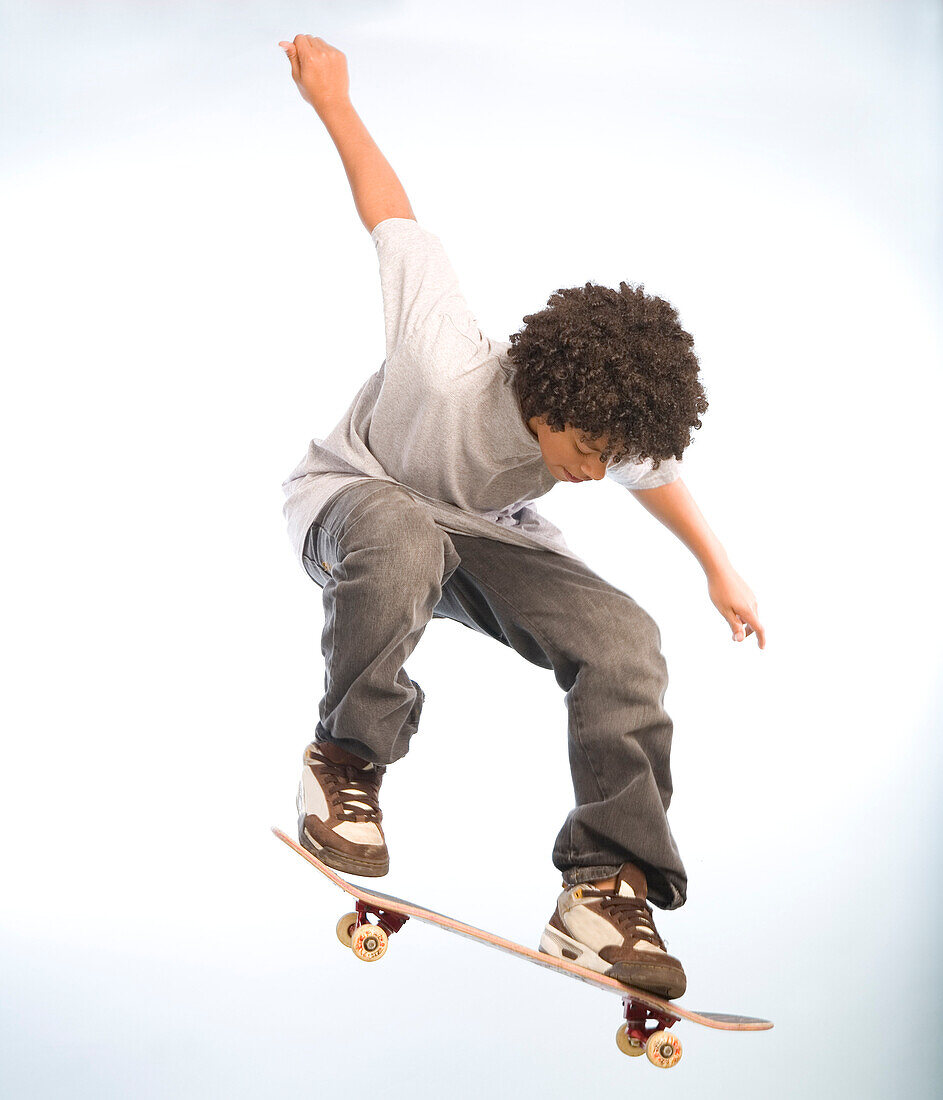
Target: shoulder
{"x":639,"y":475}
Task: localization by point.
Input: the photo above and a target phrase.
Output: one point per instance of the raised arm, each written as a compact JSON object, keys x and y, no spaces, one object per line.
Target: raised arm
{"x":320,"y":73}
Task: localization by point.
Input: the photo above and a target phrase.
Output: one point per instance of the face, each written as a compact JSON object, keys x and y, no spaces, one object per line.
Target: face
{"x":569,"y":451}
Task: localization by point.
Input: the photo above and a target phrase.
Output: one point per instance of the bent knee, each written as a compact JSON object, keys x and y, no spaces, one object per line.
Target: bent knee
{"x":625,"y":631}
{"x":391,"y":524}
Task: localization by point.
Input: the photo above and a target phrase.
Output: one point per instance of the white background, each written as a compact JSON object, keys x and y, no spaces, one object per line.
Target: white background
{"x":189,"y":297}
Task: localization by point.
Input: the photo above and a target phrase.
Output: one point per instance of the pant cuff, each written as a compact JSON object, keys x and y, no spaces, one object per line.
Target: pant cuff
{"x":576,"y":875}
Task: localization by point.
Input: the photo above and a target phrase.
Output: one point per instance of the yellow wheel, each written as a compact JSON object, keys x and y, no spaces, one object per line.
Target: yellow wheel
{"x":345,"y":928}
{"x":633,"y":1047}
{"x":663,"y":1049}
{"x":369,"y":942}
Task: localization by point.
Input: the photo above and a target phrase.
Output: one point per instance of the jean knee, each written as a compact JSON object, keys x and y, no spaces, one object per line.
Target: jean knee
{"x":402,"y":533}
{"x":626,"y":634}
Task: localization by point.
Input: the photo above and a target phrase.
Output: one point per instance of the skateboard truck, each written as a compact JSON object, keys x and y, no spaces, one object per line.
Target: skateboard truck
{"x":645,"y":1032}
{"x":368,"y":939}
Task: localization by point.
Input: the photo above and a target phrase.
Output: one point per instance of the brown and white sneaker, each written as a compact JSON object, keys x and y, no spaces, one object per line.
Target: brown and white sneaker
{"x":339,"y":813}
{"x":612,"y":932}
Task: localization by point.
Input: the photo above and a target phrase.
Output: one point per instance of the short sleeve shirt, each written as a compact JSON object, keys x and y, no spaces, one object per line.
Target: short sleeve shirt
{"x":440,"y":417}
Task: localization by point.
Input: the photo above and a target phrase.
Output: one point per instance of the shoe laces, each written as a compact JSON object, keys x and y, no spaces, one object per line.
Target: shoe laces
{"x":355,"y":793}
{"x":631,"y":916}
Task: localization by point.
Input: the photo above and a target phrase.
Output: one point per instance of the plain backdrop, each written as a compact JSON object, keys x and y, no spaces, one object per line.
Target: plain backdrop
{"x":189,"y":297}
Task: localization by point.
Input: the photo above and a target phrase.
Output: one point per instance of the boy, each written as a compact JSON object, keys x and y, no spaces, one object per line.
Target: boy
{"x":418,"y":506}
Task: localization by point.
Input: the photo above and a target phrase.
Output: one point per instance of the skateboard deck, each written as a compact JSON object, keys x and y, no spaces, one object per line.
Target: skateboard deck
{"x":638,"y":1035}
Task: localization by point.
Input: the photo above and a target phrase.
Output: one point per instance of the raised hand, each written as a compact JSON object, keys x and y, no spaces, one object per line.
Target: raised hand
{"x":319,"y":71}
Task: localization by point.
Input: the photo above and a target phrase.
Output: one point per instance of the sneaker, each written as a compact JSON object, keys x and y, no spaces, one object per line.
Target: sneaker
{"x":612,"y":932}
{"x":338,"y":810}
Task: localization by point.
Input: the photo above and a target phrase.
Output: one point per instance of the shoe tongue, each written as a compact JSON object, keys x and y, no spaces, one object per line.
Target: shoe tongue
{"x":631,"y":883}
{"x":337,"y":755}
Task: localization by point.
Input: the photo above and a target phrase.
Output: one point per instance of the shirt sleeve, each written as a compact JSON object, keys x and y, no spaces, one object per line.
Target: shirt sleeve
{"x":639,"y":475}
{"x":426,"y":317}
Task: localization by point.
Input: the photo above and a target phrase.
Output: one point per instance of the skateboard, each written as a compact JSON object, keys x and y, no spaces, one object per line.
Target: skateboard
{"x":648,"y":1018}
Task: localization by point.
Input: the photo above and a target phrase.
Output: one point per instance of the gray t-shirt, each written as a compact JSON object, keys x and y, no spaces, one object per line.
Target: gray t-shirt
{"x":440,"y":417}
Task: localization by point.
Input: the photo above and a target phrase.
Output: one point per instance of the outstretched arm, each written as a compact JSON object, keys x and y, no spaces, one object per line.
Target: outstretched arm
{"x":674,"y":506}
{"x":320,"y":72}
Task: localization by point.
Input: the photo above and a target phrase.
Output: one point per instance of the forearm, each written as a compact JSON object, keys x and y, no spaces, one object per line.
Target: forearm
{"x":674,"y":506}
{"x":377,"y":191}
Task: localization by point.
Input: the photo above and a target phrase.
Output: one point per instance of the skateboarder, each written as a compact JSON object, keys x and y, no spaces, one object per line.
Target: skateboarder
{"x":419,"y":505}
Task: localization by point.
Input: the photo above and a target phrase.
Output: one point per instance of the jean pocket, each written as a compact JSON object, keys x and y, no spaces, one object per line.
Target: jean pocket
{"x":318,"y":555}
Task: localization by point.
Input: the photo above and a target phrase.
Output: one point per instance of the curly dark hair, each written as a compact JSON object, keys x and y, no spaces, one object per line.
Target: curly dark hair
{"x":613,"y":363}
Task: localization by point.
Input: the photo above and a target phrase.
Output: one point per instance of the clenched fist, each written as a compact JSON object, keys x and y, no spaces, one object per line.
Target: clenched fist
{"x":318,"y":70}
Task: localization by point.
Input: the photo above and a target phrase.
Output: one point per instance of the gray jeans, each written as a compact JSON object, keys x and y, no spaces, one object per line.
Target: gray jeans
{"x":386,"y":569}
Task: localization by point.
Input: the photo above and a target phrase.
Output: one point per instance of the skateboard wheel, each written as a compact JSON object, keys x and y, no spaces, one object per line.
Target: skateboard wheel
{"x":624,"y":1041}
{"x":663,"y":1049}
{"x":345,"y":928}
{"x":369,"y":942}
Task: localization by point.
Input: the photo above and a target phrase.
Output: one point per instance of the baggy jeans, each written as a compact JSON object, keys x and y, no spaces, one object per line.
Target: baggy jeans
{"x":386,"y":568}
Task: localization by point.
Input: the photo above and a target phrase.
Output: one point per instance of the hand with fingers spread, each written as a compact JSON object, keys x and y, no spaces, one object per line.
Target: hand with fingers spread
{"x":732,"y":597}
{"x":319,"y":70}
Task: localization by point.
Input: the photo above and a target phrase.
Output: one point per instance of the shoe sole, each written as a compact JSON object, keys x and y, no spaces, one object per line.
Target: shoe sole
{"x":642,"y":975}
{"x":338,"y":860}
{"x":554,"y":942}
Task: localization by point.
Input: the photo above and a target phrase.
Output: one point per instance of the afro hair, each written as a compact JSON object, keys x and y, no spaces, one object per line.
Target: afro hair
{"x":611,"y":363}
